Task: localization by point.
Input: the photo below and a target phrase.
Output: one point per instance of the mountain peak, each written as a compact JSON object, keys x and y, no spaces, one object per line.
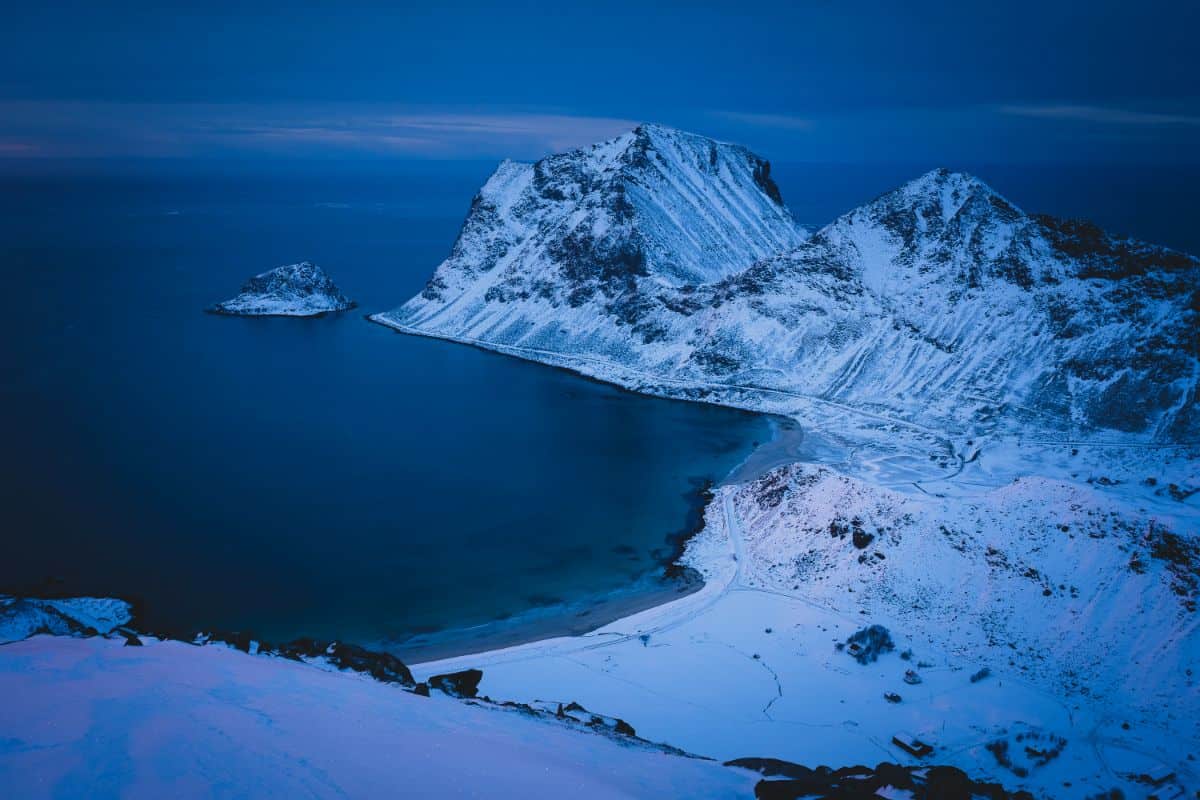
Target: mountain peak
{"x":654,"y":202}
{"x":654,"y":205}
{"x":939,"y":196}
{"x":955,"y":190}
{"x":657,"y":132}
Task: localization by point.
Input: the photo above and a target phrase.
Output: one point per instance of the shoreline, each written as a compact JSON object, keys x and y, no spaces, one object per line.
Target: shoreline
{"x":564,"y":620}
{"x":788,"y":443}
{"x":670,"y":581}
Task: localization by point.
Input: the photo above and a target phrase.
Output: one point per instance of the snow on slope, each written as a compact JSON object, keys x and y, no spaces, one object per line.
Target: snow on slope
{"x":1077,"y":601}
{"x":1063,"y":584}
{"x":92,"y":718}
{"x":577,"y":241}
{"x":655,"y":204}
{"x":295,"y":290}
{"x":939,"y":305}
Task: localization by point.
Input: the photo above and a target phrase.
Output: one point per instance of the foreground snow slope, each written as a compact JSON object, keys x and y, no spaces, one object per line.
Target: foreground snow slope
{"x":92,"y":718}
{"x":938,"y":306}
{"x":1077,"y":598}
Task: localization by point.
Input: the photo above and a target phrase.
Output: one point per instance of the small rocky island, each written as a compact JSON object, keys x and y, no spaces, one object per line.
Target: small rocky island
{"x":295,"y":290}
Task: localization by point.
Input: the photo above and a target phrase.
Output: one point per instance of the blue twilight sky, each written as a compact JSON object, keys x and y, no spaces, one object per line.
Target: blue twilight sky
{"x":1011,"y":82}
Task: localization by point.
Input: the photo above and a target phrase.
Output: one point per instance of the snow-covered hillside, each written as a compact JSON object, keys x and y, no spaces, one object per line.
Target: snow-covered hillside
{"x":1067,"y":585}
{"x":1041,"y":634}
{"x":93,"y":718}
{"x":939,"y":305}
{"x":295,"y":290}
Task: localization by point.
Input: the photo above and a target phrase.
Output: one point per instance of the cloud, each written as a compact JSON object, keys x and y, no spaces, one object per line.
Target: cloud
{"x":10,"y":148}
{"x":1099,"y":114}
{"x":777,"y":121}
{"x":431,"y":134}
{"x":148,"y":129}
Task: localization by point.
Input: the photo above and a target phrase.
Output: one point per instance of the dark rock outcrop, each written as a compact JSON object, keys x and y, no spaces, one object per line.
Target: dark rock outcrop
{"x":295,"y":290}
{"x":784,"y":780}
{"x":458,"y":684}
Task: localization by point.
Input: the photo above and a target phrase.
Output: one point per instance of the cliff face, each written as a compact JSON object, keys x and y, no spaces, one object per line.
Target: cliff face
{"x":665,"y":257}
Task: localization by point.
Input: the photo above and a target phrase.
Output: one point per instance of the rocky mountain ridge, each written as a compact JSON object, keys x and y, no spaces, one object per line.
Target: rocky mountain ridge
{"x":940,"y":304}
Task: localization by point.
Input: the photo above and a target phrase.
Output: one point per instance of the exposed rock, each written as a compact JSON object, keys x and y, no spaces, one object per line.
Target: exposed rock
{"x":868,"y":644}
{"x":131,"y":638}
{"x":295,"y":290}
{"x":787,"y":781}
{"x":458,"y":684}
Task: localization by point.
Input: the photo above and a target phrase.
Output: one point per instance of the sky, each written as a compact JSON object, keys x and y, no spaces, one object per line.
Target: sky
{"x":838,"y":82}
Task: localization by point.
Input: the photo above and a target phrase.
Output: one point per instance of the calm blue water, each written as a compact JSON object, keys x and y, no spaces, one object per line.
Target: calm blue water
{"x":329,"y":477}
{"x":321,"y":477}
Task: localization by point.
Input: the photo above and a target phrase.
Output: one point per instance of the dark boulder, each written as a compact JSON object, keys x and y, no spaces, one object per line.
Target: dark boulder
{"x":869,"y":643}
{"x":383,"y":667}
{"x":947,"y":783}
{"x":458,"y":684}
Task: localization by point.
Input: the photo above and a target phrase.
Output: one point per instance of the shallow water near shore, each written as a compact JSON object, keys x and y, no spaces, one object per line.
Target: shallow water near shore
{"x":322,"y":477}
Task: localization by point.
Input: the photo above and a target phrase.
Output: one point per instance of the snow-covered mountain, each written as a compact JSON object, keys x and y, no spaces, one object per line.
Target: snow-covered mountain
{"x":1067,"y":585}
{"x":666,"y":262}
{"x":295,"y":290}
{"x":591,"y":234}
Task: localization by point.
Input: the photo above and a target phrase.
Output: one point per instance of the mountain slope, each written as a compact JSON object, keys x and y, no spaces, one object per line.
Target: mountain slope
{"x":1068,"y":585}
{"x":590,"y":232}
{"x":940,"y":304}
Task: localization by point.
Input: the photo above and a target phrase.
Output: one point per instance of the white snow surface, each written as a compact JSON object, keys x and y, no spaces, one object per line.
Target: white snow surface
{"x":93,"y":718}
{"x":294,"y":290}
